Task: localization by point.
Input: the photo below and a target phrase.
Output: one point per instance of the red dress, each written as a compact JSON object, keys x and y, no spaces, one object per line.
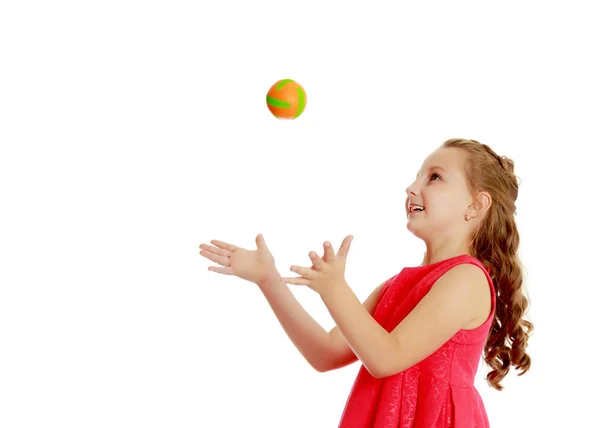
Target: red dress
{"x":437,"y":392}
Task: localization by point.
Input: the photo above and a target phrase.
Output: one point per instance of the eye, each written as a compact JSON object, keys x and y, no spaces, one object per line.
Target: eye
{"x":435,"y":175}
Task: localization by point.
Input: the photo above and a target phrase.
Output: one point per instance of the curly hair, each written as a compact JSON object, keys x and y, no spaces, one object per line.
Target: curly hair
{"x":495,"y":242}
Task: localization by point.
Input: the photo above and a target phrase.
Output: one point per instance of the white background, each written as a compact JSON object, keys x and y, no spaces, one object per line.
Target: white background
{"x":131,"y":132}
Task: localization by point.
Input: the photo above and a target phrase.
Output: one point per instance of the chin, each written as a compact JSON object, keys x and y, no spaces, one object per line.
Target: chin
{"x":414,"y":230}
{"x":418,"y":229}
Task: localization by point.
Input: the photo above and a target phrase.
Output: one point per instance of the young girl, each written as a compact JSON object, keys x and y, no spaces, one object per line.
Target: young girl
{"x":420,"y":334}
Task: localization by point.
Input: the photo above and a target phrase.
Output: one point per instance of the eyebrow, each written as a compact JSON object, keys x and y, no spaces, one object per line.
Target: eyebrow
{"x":434,"y":167}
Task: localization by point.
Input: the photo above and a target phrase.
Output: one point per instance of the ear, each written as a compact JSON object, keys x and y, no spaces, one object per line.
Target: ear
{"x":481,"y":203}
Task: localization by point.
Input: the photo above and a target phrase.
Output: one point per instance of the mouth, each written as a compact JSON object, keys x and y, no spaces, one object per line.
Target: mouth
{"x":414,"y":209}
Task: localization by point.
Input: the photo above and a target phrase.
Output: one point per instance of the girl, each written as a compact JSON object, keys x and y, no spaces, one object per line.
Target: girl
{"x":421,"y":333}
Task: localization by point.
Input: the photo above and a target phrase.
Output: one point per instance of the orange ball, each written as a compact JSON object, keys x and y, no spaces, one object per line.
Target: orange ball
{"x":286,"y":99}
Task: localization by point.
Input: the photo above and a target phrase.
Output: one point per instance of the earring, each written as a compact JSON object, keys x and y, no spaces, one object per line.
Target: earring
{"x":467,"y":217}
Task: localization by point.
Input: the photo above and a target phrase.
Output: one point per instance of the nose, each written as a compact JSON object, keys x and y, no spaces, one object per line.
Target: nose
{"x":411,"y":189}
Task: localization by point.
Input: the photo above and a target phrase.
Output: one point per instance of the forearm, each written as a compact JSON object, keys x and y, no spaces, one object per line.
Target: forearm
{"x":312,"y":340}
{"x":369,"y":341}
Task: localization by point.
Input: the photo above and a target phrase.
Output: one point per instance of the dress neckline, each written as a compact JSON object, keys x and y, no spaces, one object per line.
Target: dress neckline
{"x":438,"y":262}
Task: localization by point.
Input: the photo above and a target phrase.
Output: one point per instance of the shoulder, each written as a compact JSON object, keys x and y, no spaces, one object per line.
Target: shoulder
{"x":466,"y":288}
{"x":466,"y":270}
{"x":463,"y":278}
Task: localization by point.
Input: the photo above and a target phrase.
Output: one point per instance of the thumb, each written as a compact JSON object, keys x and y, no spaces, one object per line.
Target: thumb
{"x":261,"y":245}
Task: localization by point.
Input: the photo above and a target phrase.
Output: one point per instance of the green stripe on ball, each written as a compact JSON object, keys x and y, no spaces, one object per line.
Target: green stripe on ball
{"x":277,"y":103}
{"x":283,"y":83}
{"x":301,"y":102}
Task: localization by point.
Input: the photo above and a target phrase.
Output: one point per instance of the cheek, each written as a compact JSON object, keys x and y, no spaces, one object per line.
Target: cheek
{"x":445,"y":207}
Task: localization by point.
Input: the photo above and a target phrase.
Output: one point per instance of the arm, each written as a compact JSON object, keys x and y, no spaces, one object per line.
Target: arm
{"x":453,"y":302}
{"x":341,"y":354}
{"x":323,"y":350}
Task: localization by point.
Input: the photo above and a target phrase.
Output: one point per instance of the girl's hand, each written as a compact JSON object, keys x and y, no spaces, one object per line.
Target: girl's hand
{"x":256,"y":266}
{"x":325,"y":272}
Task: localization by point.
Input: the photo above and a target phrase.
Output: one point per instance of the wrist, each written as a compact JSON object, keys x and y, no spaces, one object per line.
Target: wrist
{"x":333,"y":290}
{"x":271,"y":279}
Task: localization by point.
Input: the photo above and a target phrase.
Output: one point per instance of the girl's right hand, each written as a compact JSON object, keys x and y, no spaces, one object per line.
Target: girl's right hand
{"x":256,"y":266}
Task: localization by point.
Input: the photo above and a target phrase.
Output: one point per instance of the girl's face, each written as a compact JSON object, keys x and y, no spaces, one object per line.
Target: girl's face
{"x":441,"y":188}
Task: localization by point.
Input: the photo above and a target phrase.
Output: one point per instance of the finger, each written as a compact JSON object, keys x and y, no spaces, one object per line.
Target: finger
{"x":302,"y":271}
{"x":215,"y":250}
{"x":223,"y":270}
{"x":222,"y":260}
{"x":328,"y":254}
{"x":345,"y":247}
{"x":318,"y":262}
{"x":296,"y":281}
{"x":223,"y":245}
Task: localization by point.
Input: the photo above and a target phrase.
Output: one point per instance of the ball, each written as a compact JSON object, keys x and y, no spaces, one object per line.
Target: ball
{"x":286,"y":99}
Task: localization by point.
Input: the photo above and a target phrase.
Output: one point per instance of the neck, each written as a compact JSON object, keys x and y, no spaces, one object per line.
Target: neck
{"x":434,"y":255}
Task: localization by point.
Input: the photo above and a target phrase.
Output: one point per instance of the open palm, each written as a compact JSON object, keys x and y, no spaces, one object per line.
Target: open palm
{"x":252,"y":265}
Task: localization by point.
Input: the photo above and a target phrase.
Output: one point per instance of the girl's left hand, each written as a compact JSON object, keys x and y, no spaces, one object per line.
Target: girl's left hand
{"x":325,"y":272}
